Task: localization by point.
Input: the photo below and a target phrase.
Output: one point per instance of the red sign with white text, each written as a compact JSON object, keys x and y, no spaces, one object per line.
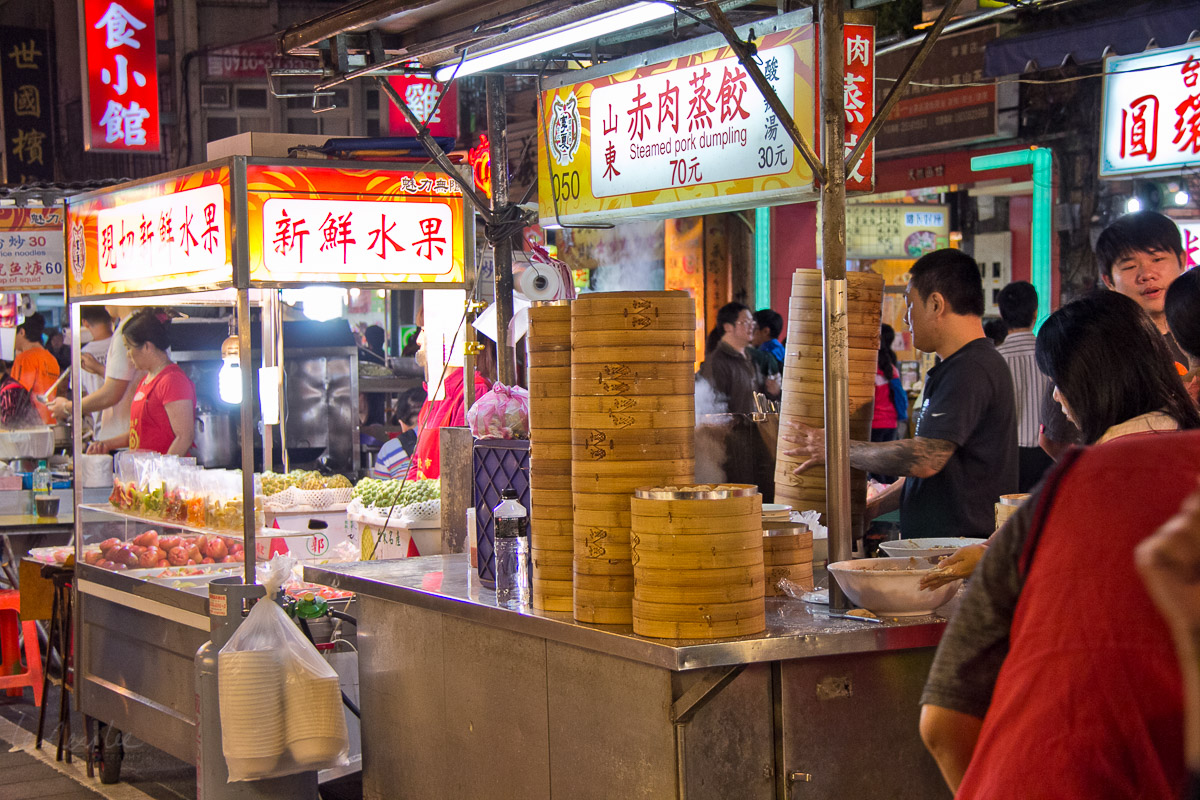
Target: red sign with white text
{"x":421,"y":95}
{"x":120,"y":76}
{"x":859,"y":93}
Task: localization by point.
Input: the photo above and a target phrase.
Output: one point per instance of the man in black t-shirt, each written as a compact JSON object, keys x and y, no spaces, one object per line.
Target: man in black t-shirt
{"x":964,"y":452}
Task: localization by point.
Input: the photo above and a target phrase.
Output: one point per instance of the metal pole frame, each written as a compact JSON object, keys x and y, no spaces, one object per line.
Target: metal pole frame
{"x":497,"y":115}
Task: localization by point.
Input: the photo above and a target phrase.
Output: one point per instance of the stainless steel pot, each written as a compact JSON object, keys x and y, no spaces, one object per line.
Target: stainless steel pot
{"x":215,"y":439}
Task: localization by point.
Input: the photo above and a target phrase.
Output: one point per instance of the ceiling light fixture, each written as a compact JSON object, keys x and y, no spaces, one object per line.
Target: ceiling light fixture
{"x":555,"y":40}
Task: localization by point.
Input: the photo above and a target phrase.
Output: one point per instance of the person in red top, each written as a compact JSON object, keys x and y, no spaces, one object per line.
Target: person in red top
{"x":34,"y":367}
{"x":163,"y":414}
{"x":450,"y":411}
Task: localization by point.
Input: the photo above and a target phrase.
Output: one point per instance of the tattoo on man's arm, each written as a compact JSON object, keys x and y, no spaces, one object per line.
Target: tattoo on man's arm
{"x":918,"y":457}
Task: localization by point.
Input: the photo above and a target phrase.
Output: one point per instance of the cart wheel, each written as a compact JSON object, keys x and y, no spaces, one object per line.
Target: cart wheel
{"x":112,"y":753}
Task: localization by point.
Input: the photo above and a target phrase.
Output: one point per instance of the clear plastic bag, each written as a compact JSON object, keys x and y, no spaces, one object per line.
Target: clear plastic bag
{"x":281,"y":702}
{"x":502,"y":413}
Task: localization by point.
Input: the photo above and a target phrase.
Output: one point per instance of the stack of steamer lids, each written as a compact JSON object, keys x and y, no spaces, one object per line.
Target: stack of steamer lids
{"x":804,"y":381}
{"x":633,"y":423}
{"x":698,"y":562}
{"x":550,"y":498}
{"x":787,"y":554}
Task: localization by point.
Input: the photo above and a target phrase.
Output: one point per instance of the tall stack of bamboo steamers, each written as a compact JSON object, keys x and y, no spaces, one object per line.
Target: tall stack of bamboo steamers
{"x":619,"y":533}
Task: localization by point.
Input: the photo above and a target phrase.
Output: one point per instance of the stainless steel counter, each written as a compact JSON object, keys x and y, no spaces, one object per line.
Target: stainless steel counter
{"x":466,"y":699}
{"x":794,"y":629}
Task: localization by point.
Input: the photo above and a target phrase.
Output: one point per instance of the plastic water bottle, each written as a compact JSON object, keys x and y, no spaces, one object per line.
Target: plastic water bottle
{"x":513,"y":569}
{"x":40,"y":485}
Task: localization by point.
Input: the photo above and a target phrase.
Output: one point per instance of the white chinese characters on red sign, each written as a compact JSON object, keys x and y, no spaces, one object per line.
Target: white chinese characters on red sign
{"x":182,"y":232}
{"x":121,"y":75}
{"x":690,"y":126}
{"x":1151,"y":111}
{"x":1190,"y":232}
{"x":358,"y":236}
{"x":859,"y":98}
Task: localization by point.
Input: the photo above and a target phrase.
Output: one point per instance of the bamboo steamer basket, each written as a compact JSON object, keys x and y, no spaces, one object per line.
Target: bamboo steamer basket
{"x":804,"y":377}
{"x":551,"y":392}
{"x":632,"y":416}
{"x":787,"y":554}
{"x":550,"y":358}
{"x":697,"y":561}
{"x":550,"y":451}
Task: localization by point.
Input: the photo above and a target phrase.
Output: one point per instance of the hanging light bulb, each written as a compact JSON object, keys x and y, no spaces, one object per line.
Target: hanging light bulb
{"x":1133,"y":205}
{"x":229,"y":379}
{"x":1182,"y":198}
{"x":322,"y":304}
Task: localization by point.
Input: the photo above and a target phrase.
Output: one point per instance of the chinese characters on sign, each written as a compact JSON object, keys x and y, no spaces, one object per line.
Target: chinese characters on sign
{"x":31,"y":249}
{"x":421,"y":96}
{"x":876,"y":230}
{"x":1151,"y":119}
{"x":1190,"y":231}
{"x":357,"y":236}
{"x":859,"y":94}
{"x":25,"y":83}
{"x":120,"y":76}
{"x":690,"y":126}
{"x":179,"y":233}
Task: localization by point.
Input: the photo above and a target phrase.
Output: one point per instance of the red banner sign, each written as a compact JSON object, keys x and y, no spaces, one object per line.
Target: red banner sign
{"x":120,"y":100}
{"x":421,"y":95}
{"x":860,"y":102}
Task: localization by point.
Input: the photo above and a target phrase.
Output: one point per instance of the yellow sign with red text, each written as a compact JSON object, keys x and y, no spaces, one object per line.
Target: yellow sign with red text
{"x":677,"y":138}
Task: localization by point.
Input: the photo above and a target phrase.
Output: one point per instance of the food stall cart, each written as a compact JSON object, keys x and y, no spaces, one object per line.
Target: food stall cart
{"x":554,"y":708}
{"x":231,"y":232}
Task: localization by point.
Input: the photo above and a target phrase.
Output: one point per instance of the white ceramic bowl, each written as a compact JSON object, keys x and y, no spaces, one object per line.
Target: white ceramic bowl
{"x":887,"y":587}
{"x":920,"y":548}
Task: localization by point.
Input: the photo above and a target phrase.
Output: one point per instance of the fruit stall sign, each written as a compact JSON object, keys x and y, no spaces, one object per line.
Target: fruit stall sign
{"x":1150,"y":119}
{"x":31,"y":250}
{"x":120,"y":76}
{"x":677,"y":137}
{"x":1190,"y":232}
{"x":163,"y":234}
{"x":330,"y":225}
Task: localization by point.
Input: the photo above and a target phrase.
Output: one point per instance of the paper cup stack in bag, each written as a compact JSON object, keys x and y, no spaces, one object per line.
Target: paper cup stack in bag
{"x":252,"y":710}
{"x":316,"y":723}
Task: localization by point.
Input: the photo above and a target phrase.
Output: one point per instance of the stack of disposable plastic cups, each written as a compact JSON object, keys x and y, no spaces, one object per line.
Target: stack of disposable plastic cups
{"x":252,"y":711}
{"x":315,"y":720}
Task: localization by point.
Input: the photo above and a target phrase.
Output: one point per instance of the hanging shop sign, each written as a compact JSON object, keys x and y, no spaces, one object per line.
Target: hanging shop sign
{"x":161,"y":234}
{"x":31,"y":249}
{"x":677,"y":137}
{"x":28,"y":103}
{"x":421,"y":96}
{"x":1150,"y":121}
{"x":323,"y":224}
{"x":950,"y":100}
{"x":907,"y":230}
{"x":1190,"y":232}
{"x":249,"y":61}
{"x":859,"y":97}
{"x":120,"y":76}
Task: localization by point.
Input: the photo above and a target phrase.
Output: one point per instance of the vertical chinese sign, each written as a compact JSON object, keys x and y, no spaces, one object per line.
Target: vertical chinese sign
{"x":120,"y":76}
{"x":25,"y":81}
{"x":421,"y":96}
{"x":678,"y":137}
{"x":1151,"y":117}
{"x":859,"y":92}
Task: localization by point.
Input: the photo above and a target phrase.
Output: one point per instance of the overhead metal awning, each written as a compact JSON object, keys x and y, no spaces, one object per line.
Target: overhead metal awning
{"x":1122,"y":31}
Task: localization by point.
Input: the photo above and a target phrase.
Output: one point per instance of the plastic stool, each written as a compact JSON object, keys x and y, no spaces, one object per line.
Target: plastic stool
{"x":10,"y":651}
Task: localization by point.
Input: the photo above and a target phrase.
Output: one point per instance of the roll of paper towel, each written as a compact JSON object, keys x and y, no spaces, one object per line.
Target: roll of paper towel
{"x":95,"y":471}
{"x":540,"y":282}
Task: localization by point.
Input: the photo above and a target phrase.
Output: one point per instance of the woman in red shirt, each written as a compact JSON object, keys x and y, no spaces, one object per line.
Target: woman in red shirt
{"x":163,"y":413}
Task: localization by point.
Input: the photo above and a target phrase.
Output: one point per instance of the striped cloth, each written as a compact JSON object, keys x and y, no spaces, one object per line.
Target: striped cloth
{"x":1028,"y":382}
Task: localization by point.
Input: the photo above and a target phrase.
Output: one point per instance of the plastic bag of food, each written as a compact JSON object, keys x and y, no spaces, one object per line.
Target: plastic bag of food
{"x":281,"y":702}
{"x":502,"y":413}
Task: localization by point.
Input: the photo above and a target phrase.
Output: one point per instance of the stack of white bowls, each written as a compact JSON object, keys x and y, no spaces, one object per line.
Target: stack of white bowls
{"x":252,"y":711}
{"x":316,"y":723}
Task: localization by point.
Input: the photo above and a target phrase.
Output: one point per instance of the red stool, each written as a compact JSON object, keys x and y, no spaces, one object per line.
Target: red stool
{"x":10,"y":650}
